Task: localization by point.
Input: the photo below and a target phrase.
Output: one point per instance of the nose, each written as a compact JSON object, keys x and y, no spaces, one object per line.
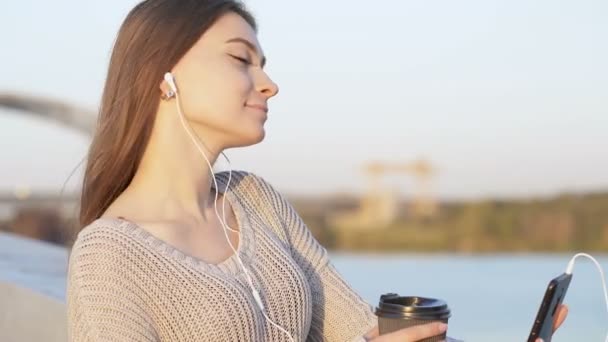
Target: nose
{"x":266,"y":86}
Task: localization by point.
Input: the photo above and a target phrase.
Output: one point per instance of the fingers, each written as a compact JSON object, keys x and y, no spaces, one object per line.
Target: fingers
{"x":562,"y":313}
{"x":419,"y":332}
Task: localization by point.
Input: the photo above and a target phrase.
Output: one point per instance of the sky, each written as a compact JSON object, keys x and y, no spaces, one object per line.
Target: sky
{"x":506,"y":98}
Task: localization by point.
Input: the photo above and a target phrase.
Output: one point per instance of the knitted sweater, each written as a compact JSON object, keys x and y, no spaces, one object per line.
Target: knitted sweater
{"x":125,"y":284}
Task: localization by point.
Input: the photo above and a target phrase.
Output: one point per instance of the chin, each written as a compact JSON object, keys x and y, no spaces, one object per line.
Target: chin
{"x":260,"y":136}
{"x":252,"y":139}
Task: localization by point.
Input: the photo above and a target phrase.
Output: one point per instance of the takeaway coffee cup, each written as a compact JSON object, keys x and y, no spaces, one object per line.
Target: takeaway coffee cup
{"x":397,"y":312}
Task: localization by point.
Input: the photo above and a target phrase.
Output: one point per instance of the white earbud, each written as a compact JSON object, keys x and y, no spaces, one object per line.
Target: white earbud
{"x":171,"y":81}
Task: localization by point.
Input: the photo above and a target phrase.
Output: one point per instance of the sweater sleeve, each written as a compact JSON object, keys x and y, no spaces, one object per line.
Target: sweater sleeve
{"x":339,"y":313}
{"x":103,"y":303}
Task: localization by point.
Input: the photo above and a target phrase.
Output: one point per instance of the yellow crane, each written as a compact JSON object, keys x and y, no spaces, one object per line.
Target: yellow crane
{"x":423,"y":201}
{"x":380,"y":204}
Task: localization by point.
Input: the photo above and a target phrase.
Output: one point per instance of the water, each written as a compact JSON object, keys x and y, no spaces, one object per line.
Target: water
{"x":38,"y":266}
{"x":493,"y":298}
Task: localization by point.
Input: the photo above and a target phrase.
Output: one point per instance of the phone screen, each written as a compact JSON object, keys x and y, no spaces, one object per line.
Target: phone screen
{"x":554,"y":296}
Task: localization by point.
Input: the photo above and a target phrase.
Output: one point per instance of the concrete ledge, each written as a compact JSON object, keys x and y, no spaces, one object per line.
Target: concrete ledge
{"x":29,"y":316}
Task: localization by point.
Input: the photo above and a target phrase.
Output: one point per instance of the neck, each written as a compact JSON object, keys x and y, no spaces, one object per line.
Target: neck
{"x":173,"y":178}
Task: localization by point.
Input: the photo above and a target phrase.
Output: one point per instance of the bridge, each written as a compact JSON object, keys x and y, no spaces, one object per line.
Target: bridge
{"x":48,"y":109}
{"x":71,"y":116}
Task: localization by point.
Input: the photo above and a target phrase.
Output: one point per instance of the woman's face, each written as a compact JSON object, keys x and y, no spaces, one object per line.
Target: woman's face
{"x":223,"y":88}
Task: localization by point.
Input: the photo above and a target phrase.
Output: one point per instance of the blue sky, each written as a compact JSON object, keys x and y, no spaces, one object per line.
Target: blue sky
{"x":505,"y":97}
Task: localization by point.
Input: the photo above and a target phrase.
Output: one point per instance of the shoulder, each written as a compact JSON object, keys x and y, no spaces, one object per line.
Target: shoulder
{"x":101,"y":230}
{"x":248,"y":183}
{"x":106,"y":283}
{"x":260,"y":196}
{"x":102,"y":245}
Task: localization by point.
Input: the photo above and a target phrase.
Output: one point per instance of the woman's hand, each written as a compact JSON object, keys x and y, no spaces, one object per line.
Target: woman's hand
{"x":420,"y":332}
{"x":562,"y":313}
{"x":412,"y":334}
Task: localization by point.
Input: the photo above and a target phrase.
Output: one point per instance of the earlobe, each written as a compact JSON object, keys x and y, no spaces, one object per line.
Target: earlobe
{"x":166,"y":92}
{"x":167,"y":96}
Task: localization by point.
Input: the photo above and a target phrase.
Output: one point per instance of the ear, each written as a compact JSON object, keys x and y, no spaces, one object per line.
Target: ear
{"x":166,"y":92}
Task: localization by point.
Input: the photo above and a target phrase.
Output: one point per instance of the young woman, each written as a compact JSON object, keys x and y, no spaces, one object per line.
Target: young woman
{"x":155,"y":259}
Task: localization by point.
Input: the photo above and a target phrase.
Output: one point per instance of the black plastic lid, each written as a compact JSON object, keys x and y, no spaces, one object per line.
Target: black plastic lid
{"x":394,"y":306}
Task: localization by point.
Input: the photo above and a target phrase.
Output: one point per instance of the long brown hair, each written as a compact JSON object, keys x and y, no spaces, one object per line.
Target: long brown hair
{"x":151,"y":40}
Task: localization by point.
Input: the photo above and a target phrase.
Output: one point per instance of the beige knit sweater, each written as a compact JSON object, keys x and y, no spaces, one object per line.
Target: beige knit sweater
{"x":125,"y":284}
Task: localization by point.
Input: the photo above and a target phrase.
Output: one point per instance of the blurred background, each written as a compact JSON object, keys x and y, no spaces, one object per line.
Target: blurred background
{"x":452,"y":149}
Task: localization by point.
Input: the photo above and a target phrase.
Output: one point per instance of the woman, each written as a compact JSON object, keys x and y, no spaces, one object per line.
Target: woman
{"x":155,"y":261}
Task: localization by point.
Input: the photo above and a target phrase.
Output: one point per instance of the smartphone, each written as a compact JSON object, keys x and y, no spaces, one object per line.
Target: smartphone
{"x":554,"y":296}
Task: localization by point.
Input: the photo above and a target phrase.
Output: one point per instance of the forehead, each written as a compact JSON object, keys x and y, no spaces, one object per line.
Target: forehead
{"x":228,"y":26}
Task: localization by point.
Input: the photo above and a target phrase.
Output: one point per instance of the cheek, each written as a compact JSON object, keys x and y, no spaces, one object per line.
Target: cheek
{"x":220,"y":90}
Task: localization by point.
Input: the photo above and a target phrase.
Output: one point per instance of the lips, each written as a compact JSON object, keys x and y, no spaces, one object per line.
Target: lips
{"x":258,"y":106}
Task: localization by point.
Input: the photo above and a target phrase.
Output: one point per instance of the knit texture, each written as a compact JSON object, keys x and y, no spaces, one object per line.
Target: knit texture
{"x":125,"y":284}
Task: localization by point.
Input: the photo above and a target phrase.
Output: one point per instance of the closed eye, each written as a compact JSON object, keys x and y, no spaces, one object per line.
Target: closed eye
{"x":241,"y":59}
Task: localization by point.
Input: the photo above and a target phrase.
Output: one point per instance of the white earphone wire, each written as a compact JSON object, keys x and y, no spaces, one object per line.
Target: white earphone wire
{"x":169,"y":78}
{"x":570,"y":269}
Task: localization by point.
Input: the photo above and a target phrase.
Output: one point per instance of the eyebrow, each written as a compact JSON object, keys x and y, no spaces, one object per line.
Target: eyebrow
{"x":249,"y":44}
